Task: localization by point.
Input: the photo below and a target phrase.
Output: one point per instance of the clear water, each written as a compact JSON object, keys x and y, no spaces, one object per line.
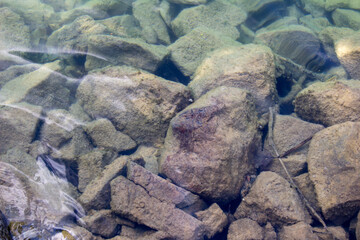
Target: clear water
{"x":47,"y":48}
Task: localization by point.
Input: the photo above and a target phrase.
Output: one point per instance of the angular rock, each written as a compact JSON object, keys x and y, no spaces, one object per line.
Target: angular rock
{"x":104,"y":135}
{"x":161,"y":189}
{"x":217,"y":15}
{"x":245,"y":229}
{"x":250,"y":67}
{"x":297,"y":43}
{"x":13,"y":31}
{"x":333,"y":162}
{"x":14,"y":72}
{"x":154,"y":29}
{"x":272,"y":199}
{"x":147,"y":156}
{"x":122,"y":26}
{"x":330,"y":102}
{"x":103,"y":222}
{"x":214,"y":219}
{"x":331,"y":233}
{"x":18,"y":124}
{"x":209,"y":145}
{"x":307,"y":188}
{"x":315,"y":24}
{"x":97,"y":193}
{"x":138,"y":103}
{"x":295,"y":164}
{"x":298,"y":231}
{"x":141,"y":232}
{"x":133,"y":202}
{"x":105,"y":50}
{"x":188,"y":52}
{"x":348,"y":52}
{"x":24,"y":162}
{"x":44,"y":87}
{"x":315,"y":7}
{"x":346,"y":18}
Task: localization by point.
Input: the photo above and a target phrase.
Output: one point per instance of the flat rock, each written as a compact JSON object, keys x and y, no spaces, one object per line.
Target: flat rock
{"x":217,"y":15}
{"x":189,"y":51}
{"x":15,"y":71}
{"x":330,"y":102}
{"x":209,"y":145}
{"x":271,"y":199}
{"x":18,"y":125}
{"x":346,"y":18}
{"x":214,"y":219}
{"x":250,"y":67}
{"x":138,"y":103}
{"x":245,"y":229}
{"x":333,"y":168}
{"x":348,"y":52}
{"x":133,"y":202}
{"x":298,"y":231}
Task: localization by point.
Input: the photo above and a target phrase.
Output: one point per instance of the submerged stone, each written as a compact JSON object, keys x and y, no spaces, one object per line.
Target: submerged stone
{"x":299,"y":231}
{"x":348,"y":52}
{"x":214,"y":219}
{"x":245,"y":229}
{"x":346,"y":18}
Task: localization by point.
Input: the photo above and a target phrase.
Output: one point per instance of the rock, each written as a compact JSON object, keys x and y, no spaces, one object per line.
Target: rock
{"x":104,"y":135}
{"x":298,"y":231}
{"x":245,"y":229}
{"x":278,"y":24}
{"x":295,"y":164}
{"x":348,"y":51}
{"x":4,"y":229}
{"x":43,"y":87}
{"x":161,"y":189}
{"x":307,"y":188}
{"x":103,"y":222}
{"x":78,"y":112}
{"x":14,"y":72}
{"x":13,"y":31}
{"x":330,"y":102}
{"x":331,"y":5}
{"x":154,"y":29}
{"x":289,"y":132}
{"x":189,"y":51}
{"x":346,"y":18}
{"x":138,"y":103}
{"x":209,"y":145}
{"x":105,"y":50}
{"x":147,"y":156}
{"x":141,"y":233}
{"x":122,"y":26}
{"x":188,"y":2}
{"x":6,"y":60}
{"x":21,"y":160}
{"x":316,"y":24}
{"x":272,"y":199}
{"x":132,"y":201}
{"x":315,"y":7}
{"x":333,"y":168}
{"x":217,"y":15}
{"x":250,"y":67}
{"x":18,"y":125}
{"x":297,"y":43}
{"x":269,"y":232}
{"x":358,"y":226}
{"x":74,"y":37}
{"x":214,"y":220}
{"x":111,"y":7}
{"x":337,"y":233}
{"x":97,"y":193}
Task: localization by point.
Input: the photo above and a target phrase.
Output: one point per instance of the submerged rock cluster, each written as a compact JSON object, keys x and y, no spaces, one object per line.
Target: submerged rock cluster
{"x":149,"y":119}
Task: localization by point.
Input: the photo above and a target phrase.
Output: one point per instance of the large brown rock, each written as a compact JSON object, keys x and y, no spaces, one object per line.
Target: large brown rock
{"x":245,"y":229}
{"x":333,"y":162}
{"x":272,"y":199}
{"x":249,"y":67}
{"x":348,"y":52}
{"x":330,"y":102}
{"x":209,"y":145}
{"x":133,"y":202}
{"x":138,"y":103}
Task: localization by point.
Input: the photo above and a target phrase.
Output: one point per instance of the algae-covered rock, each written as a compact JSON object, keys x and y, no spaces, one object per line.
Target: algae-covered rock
{"x":209,"y":145}
{"x":18,"y":158}
{"x":331,"y":5}
{"x":315,"y":7}
{"x":138,"y":103}
{"x":15,"y":71}
{"x":333,"y":162}
{"x":250,"y":67}
{"x":245,"y":229}
{"x":122,"y":26}
{"x":189,"y":51}
{"x":188,"y":2}
{"x":217,"y":15}
{"x":329,"y":102}
{"x":272,"y":199}
{"x":348,"y":52}
{"x":346,"y":18}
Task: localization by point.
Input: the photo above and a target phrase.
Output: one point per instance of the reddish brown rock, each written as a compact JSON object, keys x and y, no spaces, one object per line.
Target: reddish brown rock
{"x":245,"y":229}
{"x":214,"y":219}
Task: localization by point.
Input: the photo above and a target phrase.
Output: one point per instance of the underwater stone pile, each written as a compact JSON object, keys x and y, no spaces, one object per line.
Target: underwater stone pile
{"x":154,"y":117}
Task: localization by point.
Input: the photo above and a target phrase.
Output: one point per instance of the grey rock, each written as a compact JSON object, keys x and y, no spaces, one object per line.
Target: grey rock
{"x":315,"y":7}
{"x":132,"y":201}
{"x":298,"y":231}
{"x":6,"y":60}
{"x":334,"y":170}
{"x":122,"y":26}
{"x":271,"y":199}
{"x":154,"y":29}
{"x":330,"y":102}
{"x":209,"y":145}
{"x":161,"y":189}
{"x":217,"y":15}
{"x":103,"y":222}
{"x":18,"y":125}
{"x":348,"y":51}
{"x":189,"y":51}
{"x":18,"y":158}
{"x":138,"y":103}
{"x":250,"y":67}
{"x":214,"y":219}
{"x":97,"y":193}
{"x":14,"y":72}
{"x":346,"y":18}
{"x":4,"y":228}
{"x":105,"y":50}
{"x":245,"y":229}
{"x":104,"y":135}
